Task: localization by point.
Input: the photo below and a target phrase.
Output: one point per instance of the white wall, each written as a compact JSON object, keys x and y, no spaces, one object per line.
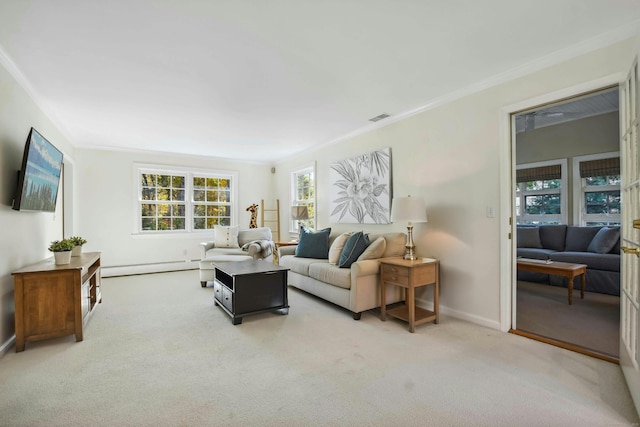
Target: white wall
{"x":450,"y":155}
{"x":105,"y":198}
{"x":24,"y":236}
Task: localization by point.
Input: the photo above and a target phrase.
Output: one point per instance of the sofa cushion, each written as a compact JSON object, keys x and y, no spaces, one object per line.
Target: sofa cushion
{"x":604,"y":240}
{"x":331,"y":274}
{"x":608,"y":262}
{"x":616,"y":247}
{"x":226,"y":237}
{"x":395,"y":244}
{"x":300,"y":265}
{"x":224,"y":252}
{"x":578,"y":238}
{"x":534,"y":253}
{"x":337,"y":246}
{"x":248,"y":235}
{"x":313,"y":244}
{"x":353,"y":248}
{"x":528,"y":237}
{"x":210,"y":263}
{"x":553,"y":236}
{"x":374,"y":250}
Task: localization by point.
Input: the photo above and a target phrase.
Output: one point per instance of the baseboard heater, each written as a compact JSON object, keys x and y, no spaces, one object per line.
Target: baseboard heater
{"x":158,"y":267}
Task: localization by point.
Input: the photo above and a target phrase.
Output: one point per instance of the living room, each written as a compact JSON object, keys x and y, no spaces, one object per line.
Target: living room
{"x":453,"y":151}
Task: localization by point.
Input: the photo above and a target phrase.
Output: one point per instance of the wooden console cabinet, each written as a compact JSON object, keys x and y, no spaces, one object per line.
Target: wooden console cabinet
{"x":55,"y":300}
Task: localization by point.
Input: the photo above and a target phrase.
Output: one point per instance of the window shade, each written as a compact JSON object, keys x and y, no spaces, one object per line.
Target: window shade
{"x":539,"y":174}
{"x":600,"y":167}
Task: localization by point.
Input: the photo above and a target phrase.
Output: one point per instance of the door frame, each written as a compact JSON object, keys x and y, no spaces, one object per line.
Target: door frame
{"x":507,"y":174}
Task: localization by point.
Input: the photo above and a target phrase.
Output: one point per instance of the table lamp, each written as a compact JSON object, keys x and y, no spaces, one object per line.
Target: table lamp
{"x":299,"y":213}
{"x":411,"y":209}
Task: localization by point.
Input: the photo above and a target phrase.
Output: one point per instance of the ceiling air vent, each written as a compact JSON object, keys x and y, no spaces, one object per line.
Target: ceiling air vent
{"x":380,"y":117}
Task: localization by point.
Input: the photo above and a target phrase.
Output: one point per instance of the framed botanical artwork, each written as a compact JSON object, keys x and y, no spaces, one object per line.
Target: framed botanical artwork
{"x":360,"y":189}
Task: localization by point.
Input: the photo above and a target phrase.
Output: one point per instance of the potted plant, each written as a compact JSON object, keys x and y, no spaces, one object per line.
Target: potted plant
{"x":77,"y":245}
{"x":61,"y":251}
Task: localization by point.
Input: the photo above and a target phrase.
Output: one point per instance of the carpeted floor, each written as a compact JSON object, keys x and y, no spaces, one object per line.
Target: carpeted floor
{"x":592,"y":322}
{"x":158,"y":353}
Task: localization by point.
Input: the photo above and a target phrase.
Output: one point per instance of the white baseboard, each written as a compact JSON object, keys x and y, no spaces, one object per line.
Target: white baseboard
{"x":482,"y":321}
{"x":4,"y":348}
{"x":161,"y":267}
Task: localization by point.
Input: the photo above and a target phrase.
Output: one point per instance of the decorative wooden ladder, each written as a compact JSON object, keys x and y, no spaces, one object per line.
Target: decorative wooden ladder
{"x":273,"y":219}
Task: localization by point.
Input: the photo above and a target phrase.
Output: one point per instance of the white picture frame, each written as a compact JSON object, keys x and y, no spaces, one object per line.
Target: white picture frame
{"x":360,"y":189}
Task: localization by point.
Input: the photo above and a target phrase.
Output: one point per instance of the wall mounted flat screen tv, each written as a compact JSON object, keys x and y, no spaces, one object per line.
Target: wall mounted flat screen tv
{"x":39,"y":178}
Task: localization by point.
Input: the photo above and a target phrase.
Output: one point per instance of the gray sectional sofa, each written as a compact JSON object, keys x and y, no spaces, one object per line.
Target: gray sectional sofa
{"x":597,"y":247}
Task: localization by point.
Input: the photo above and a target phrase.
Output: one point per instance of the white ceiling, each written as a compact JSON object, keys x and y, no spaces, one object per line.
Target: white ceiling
{"x":259,"y":80}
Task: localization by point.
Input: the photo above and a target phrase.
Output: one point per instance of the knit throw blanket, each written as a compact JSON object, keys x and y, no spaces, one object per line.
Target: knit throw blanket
{"x":266,"y":247}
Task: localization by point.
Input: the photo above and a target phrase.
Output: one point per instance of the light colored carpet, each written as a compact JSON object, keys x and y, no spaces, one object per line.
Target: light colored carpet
{"x":592,"y":322}
{"x":158,"y":353}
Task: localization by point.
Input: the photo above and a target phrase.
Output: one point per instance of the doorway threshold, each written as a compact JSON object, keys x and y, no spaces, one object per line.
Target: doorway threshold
{"x":566,"y":346}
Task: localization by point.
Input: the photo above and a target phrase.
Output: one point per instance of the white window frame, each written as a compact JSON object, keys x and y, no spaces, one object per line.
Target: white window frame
{"x":580,"y":187}
{"x":189,"y":173}
{"x":523,"y":218}
{"x":309,"y":168}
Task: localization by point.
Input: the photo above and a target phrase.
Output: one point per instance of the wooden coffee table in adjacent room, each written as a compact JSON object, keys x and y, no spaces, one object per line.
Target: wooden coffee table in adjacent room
{"x":243,"y":288}
{"x":566,"y":269}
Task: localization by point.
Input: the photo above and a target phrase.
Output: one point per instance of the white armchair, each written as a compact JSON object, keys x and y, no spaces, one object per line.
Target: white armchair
{"x":253,"y":243}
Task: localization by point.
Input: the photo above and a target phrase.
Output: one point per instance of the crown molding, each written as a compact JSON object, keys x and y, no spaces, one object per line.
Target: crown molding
{"x":22,"y":80}
{"x":15,"y":72}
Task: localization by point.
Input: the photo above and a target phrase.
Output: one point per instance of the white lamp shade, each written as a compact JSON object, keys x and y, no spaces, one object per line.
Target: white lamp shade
{"x":411,"y":209}
{"x":299,"y":212}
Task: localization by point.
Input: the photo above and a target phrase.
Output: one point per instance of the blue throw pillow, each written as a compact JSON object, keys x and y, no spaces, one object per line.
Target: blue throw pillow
{"x":313,"y":244}
{"x":353,"y":248}
{"x":604,"y":240}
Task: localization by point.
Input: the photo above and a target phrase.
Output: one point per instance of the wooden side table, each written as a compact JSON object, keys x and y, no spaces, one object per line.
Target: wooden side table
{"x":410,"y":275}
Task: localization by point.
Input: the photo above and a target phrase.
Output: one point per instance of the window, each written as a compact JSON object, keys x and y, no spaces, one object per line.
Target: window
{"x":162,"y":201}
{"x":303,"y":193}
{"x":598,"y":194}
{"x":541,"y":193}
{"x":211,"y":202}
{"x":183,"y":200}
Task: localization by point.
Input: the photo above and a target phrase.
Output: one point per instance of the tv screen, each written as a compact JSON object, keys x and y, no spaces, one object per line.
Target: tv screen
{"x":39,"y":178}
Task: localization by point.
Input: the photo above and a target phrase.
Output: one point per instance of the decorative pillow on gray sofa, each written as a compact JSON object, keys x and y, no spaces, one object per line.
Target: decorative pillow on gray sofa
{"x":355,"y":246}
{"x":313,"y":244}
{"x":604,"y":240}
{"x":553,"y":236}
{"x":579,"y":238}
{"x":528,"y":237}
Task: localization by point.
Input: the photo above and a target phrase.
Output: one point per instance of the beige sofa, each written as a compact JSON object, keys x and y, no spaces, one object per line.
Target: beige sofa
{"x":253,"y":243}
{"x":356,"y":288}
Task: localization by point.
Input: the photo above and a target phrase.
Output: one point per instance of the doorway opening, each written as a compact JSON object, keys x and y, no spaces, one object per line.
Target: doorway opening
{"x":567,"y":189}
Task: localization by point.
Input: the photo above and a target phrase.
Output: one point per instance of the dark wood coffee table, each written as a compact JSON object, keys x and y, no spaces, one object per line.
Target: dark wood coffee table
{"x":566,"y":269}
{"x":243,"y":288}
